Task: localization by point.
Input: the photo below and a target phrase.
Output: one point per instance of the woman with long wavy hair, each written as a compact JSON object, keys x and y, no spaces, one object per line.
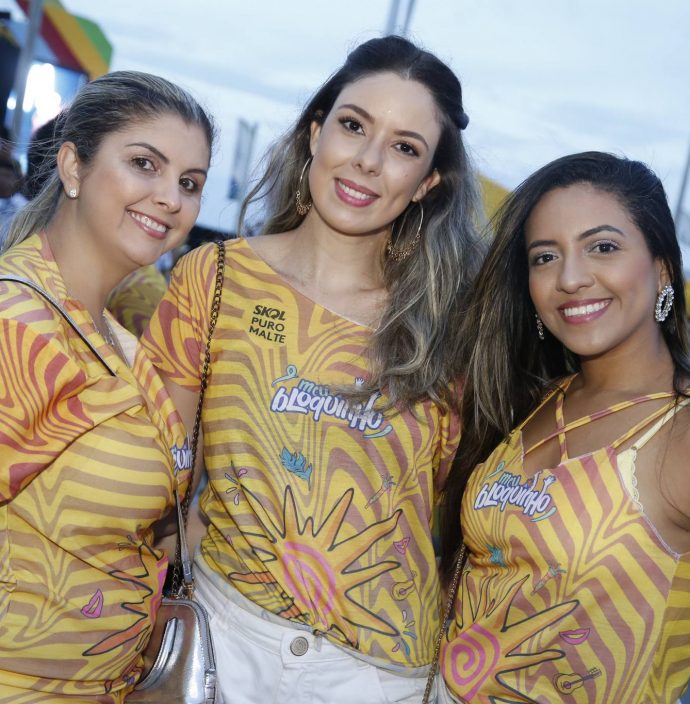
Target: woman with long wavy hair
{"x":570,"y":488}
{"x":330,"y":416}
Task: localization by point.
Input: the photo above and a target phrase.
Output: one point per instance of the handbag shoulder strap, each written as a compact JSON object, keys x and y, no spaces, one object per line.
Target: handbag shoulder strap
{"x":452,"y":592}
{"x":182,"y":559}
{"x":63,"y":313}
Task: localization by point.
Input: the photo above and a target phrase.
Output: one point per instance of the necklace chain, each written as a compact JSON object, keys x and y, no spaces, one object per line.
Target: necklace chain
{"x":104,"y":329}
{"x":111,"y":338}
{"x":107,"y":333}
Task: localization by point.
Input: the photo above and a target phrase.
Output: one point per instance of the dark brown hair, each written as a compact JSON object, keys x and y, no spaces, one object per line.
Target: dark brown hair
{"x":507,"y":368}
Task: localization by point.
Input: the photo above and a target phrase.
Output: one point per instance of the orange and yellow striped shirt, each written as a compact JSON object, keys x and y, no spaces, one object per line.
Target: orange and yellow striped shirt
{"x":318,"y":513}
{"x":88,"y":463}
{"x":571,"y":595}
{"x":134,"y":300}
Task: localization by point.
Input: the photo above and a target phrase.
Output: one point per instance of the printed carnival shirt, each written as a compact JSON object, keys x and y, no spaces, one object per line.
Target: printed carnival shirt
{"x":570,"y":595}
{"x":318,"y":513}
{"x":134,"y":300}
{"x":87,"y":465}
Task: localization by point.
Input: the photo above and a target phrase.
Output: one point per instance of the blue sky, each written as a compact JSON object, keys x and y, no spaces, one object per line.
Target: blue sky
{"x":541,"y":78}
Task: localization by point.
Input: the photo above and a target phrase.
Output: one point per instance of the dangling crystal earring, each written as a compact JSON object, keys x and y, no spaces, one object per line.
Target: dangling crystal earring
{"x":664,"y":303}
{"x":399,"y":255}
{"x":540,"y":327}
{"x":302,"y":208}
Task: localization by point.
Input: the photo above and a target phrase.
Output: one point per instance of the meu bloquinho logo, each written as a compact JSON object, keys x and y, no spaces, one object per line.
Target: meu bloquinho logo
{"x":532,"y":499}
{"x":308,"y":397}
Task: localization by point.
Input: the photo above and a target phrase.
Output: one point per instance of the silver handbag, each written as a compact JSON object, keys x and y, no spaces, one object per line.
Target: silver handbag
{"x":184,"y":671}
{"x":179,"y":663}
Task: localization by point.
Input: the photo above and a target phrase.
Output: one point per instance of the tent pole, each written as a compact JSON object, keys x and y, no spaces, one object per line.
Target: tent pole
{"x":26,"y":55}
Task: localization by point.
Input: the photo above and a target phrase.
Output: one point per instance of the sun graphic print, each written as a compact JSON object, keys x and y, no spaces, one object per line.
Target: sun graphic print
{"x":315,"y":568}
{"x":143,"y":611}
{"x":482,"y":643}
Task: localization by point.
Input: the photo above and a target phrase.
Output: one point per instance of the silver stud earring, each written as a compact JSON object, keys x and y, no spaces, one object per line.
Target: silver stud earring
{"x":664,"y":303}
{"x":540,"y":327}
{"x":72,"y":193}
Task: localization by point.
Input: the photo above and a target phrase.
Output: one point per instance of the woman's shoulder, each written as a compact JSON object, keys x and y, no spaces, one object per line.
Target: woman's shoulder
{"x":24,"y":305}
{"x":277,"y":255}
{"x":203,"y":260}
{"x":680,"y":436}
{"x":197,"y":259}
{"x":27,"y":272}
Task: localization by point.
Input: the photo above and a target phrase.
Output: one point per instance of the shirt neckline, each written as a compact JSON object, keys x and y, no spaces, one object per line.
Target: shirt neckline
{"x":256,"y":257}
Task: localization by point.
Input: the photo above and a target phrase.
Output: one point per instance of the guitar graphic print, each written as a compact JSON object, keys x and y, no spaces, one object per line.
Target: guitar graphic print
{"x":565,"y":684}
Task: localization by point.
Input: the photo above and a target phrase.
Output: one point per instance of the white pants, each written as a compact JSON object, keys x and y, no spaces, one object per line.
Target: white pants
{"x":262,"y":662}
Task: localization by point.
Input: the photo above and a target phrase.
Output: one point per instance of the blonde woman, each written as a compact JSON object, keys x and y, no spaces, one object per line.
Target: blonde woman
{"x":91,"y":447}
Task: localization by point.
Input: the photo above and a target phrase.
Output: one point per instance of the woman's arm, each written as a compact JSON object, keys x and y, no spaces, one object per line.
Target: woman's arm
{"x":186,"y":402}
{"x":175,"y":342}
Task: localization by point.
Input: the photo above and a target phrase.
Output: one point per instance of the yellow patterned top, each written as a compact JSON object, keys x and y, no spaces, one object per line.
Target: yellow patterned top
{"x":87,"y":465}
{"x":319,"y":513}
{"x":134,"y":300}
{"x":571,"y":595}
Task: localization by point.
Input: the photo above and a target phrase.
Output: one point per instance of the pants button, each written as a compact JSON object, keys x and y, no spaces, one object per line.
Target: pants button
{"x":299,"y":646}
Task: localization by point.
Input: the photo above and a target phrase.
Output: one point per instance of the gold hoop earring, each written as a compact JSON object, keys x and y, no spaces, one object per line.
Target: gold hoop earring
{"x":402,"y":253}
{"x":302,"y":208}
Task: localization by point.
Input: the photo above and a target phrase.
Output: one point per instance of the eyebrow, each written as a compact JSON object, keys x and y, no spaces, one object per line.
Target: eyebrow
{"x":582,"y":236}
{"x":162,"y":156}
{"x":367,"y":116}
